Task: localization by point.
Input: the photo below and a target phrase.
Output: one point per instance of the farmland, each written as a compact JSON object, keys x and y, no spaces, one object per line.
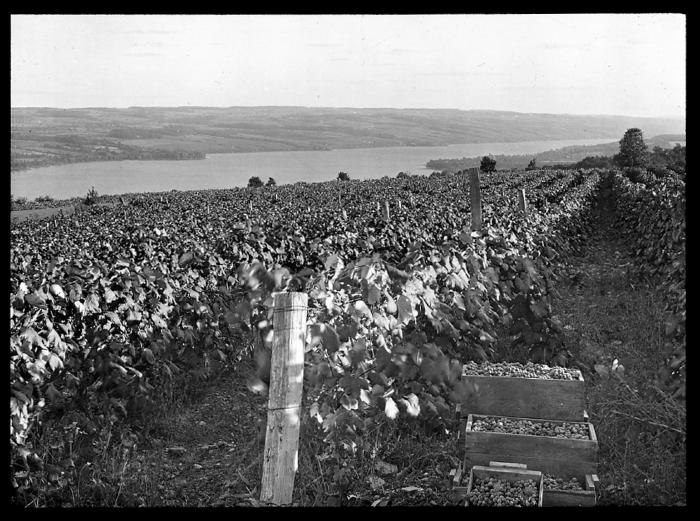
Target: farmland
{"x":118,"y":310}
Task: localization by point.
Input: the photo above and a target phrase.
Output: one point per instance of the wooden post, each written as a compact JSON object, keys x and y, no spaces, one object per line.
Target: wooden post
{"x":413,"y":203}
{"x":284,"y":403}
{"x":522,"y":201}
{"x":250,"y":206}
{"x":345,"y":215}
{"x":399,"y":204}
{"x":475,"y":193}
{"x":386,"y":210}
{"x":377,"y":205}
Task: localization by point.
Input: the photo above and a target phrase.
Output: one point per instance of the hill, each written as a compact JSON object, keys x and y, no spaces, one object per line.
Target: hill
{"x":46,"y":136}
{"x":568,"y":154}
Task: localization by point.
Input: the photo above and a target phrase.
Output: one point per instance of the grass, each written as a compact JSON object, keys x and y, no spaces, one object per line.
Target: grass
{"x":640,"y":428}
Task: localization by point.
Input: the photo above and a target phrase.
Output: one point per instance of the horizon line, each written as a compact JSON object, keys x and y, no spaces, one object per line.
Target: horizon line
{"x":662,"y":116}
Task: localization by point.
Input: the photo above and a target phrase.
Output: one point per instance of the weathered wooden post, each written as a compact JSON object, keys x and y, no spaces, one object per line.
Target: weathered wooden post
{"x":522,"y":201}
{"x":386,"y":210}
{"x":413,"y":203}
{"x":250,"y":206}
{"x":378,"y":206}
{"x":284,"y":403}
{"x":399,"y":204}
{"x":475,"y":194}
{"x":345,"y":215}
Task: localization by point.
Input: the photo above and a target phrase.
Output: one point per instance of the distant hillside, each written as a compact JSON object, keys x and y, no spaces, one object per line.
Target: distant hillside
{"x":569,"y":154}
{"x":44,"y":136}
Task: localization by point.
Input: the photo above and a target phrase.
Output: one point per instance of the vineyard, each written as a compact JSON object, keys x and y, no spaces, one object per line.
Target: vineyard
{"x":116,"y":310}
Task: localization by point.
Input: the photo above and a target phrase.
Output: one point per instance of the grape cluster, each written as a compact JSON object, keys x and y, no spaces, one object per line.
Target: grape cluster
{"x":552,"y":483}
{"x":576,"y":431}
{"x":516,"y":369}
{"x":494,"y":492}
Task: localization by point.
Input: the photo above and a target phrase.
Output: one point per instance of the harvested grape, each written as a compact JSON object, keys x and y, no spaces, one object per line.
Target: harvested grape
{"x":518,"y":370}
{"x":552,"y":483}
{"x":492,"y":492}
{"x":576,"y":431}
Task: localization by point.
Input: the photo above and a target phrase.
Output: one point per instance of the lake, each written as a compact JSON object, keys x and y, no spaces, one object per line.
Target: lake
{"x":231,"y":170}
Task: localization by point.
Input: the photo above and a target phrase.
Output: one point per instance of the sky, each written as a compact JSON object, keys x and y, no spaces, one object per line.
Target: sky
{"x":624,"y":64}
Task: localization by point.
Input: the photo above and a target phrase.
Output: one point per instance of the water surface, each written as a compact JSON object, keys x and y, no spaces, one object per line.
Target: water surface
{"x":230,"y":170}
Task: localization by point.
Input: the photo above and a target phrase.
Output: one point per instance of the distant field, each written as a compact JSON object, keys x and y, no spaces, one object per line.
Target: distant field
{"x":44,"y":136}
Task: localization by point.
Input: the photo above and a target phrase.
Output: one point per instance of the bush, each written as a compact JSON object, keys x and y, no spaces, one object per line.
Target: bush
{"x":635,"y":174}
{"x":91,"y":197}
{"x":271,"y":182}
{"x":343,"y":176}
{"x":488,"y":164}
{"x":255,"y":182}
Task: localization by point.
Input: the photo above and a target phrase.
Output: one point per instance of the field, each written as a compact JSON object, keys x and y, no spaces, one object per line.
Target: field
{"x":121,"y":314}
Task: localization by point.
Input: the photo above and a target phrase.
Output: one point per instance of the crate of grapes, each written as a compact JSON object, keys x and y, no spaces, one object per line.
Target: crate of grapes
{"x":574,"y":492}
{"x":524,"y":390}
{"x":563,"y":449}
{"x":504,"y":484}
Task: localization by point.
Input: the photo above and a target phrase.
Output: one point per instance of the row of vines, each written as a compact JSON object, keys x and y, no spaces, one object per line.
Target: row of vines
{"x":113,"y":308}
{"x":653,"y":218}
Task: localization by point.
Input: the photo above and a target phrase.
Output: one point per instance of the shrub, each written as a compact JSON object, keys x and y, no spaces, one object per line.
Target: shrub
{"x":343,"y":176}
{"x":255,"y":182}
{"x":488,"y":164}
{"x":91,"y":197}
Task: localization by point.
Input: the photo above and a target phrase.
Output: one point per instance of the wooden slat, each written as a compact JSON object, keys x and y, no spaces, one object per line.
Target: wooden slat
{"x":561,"y":457}
{"x":533,"y":398}
{"x":565,"y":468}
{"x":572,"y":498}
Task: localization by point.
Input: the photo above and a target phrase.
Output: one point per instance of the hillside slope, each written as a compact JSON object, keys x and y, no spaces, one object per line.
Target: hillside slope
{"x":46,"y":136}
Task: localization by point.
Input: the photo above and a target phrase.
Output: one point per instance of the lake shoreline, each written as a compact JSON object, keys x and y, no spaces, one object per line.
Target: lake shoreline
{"x":228,"y":170}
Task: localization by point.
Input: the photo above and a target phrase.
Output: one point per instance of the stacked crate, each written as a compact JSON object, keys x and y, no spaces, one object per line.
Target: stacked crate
{"x":547,"y":402}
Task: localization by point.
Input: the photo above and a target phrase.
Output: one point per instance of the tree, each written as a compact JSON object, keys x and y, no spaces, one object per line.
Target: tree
{"x":488,"y":164}
{"x":402,"y":175}
{"x":343,"y":176}
{"x":91,"y":197}
{"x":255,"y":182}
{"x":271,"y":182}
{"x":633,"y":150}
{"x":532,"y":165}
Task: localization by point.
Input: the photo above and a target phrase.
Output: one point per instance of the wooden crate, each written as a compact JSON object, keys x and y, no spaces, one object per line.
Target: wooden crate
{"x":506,"y":472}
{"x":561,"y":457}
{"x":573,"y":498}
{"x":525,"y":397}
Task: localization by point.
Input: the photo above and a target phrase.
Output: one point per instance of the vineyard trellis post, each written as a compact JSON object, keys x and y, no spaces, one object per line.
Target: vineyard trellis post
{"x":475,"y":196}
{"x":522,"y":201}
{"x":386,"y":210}
{"x":284,"y":402}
